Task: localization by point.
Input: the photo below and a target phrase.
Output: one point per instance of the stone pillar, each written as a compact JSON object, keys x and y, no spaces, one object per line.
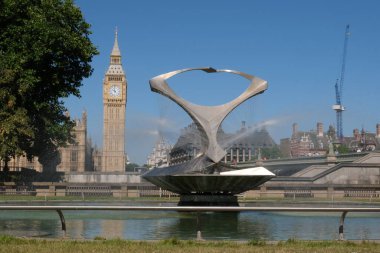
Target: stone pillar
{"x":263,"y":191}
{"x":232,"y":155}
{"x":237,"y":154}
{"x":243,"y":154}
{"x":249,"y":154}
{"x":124,"y":191}
{"x":51,"y":190}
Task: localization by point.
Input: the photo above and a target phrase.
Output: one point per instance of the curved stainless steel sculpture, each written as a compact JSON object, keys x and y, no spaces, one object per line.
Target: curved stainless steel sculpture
{"x":203,"y":180}
{"x":208,"y":118}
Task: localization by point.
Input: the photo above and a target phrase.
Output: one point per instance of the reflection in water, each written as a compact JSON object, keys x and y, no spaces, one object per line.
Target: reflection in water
{"x":216,"y":226}
{"x":182,"y":225}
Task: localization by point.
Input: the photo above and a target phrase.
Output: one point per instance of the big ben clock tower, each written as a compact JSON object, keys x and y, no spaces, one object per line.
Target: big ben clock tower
{"x":114,"y":102}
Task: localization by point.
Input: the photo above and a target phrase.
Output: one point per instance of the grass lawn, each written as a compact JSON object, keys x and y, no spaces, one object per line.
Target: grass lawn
{"x":12,"y":244}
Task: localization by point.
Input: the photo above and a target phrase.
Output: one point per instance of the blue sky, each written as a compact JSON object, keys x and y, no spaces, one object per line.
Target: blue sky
{"x":295,"y":45}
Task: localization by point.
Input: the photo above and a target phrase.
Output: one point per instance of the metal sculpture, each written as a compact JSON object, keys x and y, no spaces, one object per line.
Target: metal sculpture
{"x":208,"y":118}
{"x":205,"y":180}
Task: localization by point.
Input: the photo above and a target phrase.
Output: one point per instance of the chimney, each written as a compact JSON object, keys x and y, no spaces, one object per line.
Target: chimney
{"x":319,"y":129}
{"x":378,"y":130}
{"x":356,"y":134}
{"x":295,"y":128}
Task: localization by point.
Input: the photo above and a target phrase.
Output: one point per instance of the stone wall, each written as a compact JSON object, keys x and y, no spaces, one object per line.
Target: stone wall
{"x":352,"y":176}
{"x":96,"y":177}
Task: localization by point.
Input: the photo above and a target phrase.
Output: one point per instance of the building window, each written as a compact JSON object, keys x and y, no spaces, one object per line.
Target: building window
{"x":74,"y":156}
{"x":115,"y":78}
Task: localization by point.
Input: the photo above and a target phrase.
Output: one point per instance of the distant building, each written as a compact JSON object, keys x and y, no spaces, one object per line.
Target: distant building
{"x":244,"y":145}
{"x":160,"y":154}
{"x":74,"y":157}
{"x":307,"y":143}
{"x":311,"y":143}
{"x":315,"y":142}
{"x":97,"y":156}
{"x":188,"y":145}
{"x":19,"y":162}
{"x":363,"y":140}
{"x":241,"y":146}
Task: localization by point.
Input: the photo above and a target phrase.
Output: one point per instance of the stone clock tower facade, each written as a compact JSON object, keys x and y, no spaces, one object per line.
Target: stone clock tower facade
{"x":114,"y":103}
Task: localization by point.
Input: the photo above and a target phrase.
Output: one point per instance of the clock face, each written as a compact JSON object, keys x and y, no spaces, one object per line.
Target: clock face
{"x":115,"y":91}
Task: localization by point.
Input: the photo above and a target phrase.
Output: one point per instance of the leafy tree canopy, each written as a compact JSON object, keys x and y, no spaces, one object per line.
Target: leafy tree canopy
{"x":131,"y":167}
{"x":45,"y":52}
{"x":271,"y":153}
{"x":342,"y":149}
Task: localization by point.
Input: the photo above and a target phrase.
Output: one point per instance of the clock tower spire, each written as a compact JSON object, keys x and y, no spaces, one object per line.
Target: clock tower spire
{"x":114,"y":104}
{"x":115,"y":54}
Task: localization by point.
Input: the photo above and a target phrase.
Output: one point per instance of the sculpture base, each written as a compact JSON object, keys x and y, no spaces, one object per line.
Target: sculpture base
{"x":208,"y":200}
{"x":188,"y":179}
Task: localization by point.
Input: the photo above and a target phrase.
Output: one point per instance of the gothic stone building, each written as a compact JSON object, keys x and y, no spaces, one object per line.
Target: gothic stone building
{"x":159,"y":157}
{"x":73,"y":157}
{"x":241,"y":146}
{"x":316,"y":142}
{"x":363,"y":141}
{"x":308,"y":143}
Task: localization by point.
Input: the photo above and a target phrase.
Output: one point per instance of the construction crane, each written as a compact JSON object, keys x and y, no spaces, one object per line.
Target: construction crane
{"x":338,"y":107}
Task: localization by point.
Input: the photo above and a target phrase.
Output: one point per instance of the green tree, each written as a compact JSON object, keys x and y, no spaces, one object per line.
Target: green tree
{"x":271,"y":153}
{"x":45,"y":52}
{"x":342,"y":149}
{"x":131,"y":167}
